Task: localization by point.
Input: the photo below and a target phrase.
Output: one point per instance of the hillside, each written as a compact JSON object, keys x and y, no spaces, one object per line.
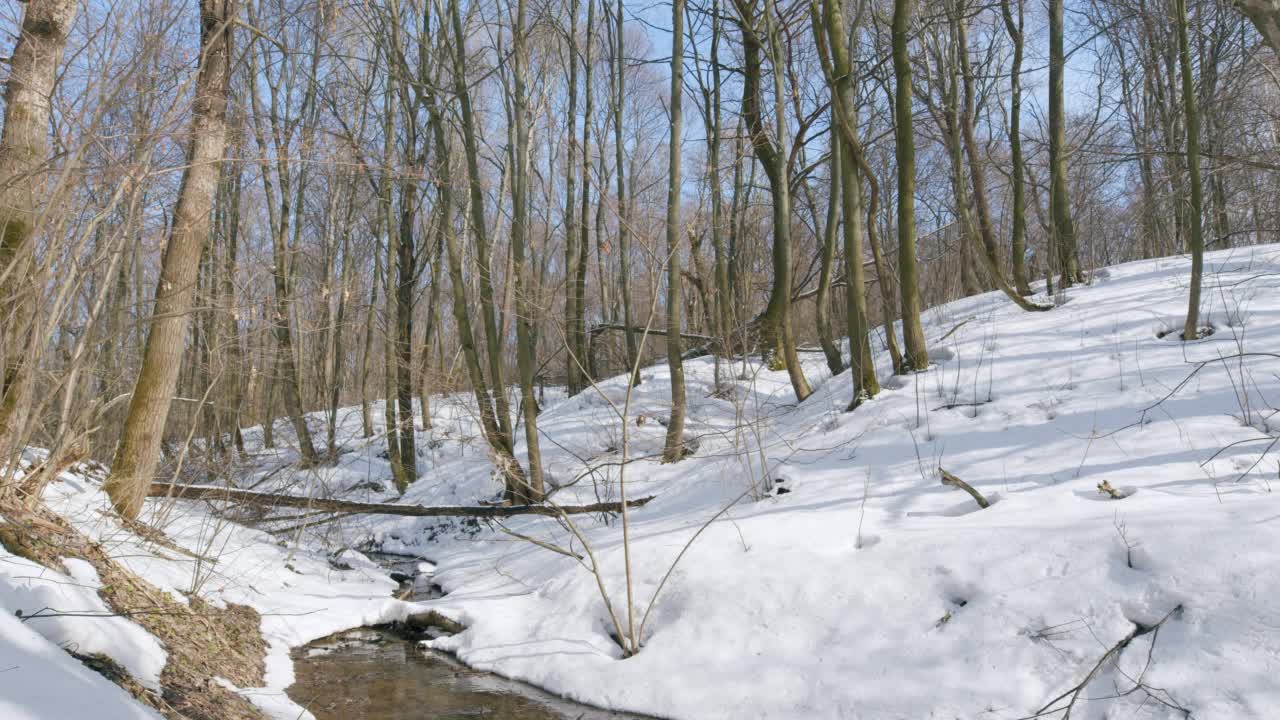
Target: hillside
{"x":838,"y":577}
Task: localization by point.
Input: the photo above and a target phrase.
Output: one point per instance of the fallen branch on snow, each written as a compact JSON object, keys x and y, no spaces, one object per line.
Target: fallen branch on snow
{"x":952,"y":481}
{"x":1113,"y":653}
{"x":250,"y":497}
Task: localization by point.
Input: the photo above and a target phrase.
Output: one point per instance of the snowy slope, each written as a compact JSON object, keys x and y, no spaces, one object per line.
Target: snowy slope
{"x":828,"y":601}
{"x":39,"y":681}
{"x":844,"y":581}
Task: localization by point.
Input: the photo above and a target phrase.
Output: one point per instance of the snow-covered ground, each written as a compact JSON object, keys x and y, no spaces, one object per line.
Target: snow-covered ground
{"x":302,"y":594}
{"x":845,"y":581}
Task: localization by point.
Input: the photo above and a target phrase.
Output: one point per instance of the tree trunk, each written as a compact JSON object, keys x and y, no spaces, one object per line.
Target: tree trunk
{"x":1265,"y":16}
{"x":624,"y":218}
{"x":847,"y":158}
{"x":917,"y":356}
{"x":499,"y":442}
{"x":673,"y":449}
{"x":138,"y":452}
{"x":1019,"y":210}
{"x":572,"y":372}
{"x":24,"y":149}
{"x":986,"y":230}
{"x":723,"y":294}
{"x":429,"y":330}
{"x":479,"y":235}
{"x":579,"y":288}
{"x":1061,"y":227}
{"x":822,"y":301}
{"x":532,"y":489}
{"x":777,"y":341}
{"x":1191,"y":329}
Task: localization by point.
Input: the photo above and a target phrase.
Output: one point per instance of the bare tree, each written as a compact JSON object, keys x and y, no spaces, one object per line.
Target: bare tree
{"x":917,"y":356}
{"x":138,"y":451}
{"x":673,"y":450}
{"x":23,"y":157}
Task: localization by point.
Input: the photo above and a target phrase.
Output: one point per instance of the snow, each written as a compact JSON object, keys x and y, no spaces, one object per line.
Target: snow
{"x":867,"y":589}
{"x":300,"y":594}
{"x":39,"y":681}
{"x":66,"y":611}
{"x":785,"y":608}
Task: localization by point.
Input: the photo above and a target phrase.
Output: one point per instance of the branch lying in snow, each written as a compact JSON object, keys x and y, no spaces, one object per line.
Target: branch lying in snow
{"x":952,"y":481}
{"x":249,"y":497}
{"x":619,"y":327}
{"x":1112,"y":654}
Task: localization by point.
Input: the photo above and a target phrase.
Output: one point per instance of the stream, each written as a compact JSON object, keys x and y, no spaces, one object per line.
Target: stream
{"x":384,"y":673}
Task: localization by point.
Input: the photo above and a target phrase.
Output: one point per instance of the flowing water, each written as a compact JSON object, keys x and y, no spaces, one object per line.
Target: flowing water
{"x":385,"y":674}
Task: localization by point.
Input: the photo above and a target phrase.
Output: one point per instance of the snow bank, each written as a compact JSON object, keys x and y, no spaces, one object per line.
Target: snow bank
{"x":300,"y":593}
{"x":38,"y":681}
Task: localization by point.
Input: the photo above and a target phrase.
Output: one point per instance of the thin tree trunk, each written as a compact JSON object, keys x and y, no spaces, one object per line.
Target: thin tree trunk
{"x":917,"y":356}
{"x":532,"y":489}
{"x":366,"y":413}
{"x":231,"y":322}
{"x":835,"y":363}
{"x":624,"y":218}
{"x":479,"y":235}
{"x":1019,"y":220}
{"x":579,"y":337}
{"x":673,"y":449}
{"x":986,"y":230}
{"x":572,"y":373}
{"x":335,"y":365}
{"x":723,"y":294}
{"x":498,"y":441}
{"x":429,"y":330}
{"x":1191,"y":329}
{"x":830,"y":36}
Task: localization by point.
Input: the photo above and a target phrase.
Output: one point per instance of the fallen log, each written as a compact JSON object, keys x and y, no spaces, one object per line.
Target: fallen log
{"x":252,"y":497}
{"x":642,"y":330}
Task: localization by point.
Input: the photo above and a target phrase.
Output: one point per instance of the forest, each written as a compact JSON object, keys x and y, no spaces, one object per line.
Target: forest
{"x":572,"y":276}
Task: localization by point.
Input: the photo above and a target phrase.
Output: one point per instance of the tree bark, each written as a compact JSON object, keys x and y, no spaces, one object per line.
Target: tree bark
{"x":1019,"y":210}
{"x":986,"y":230}
{"x":579,"y":287}
{"x":1061,"y":227}
{"x":532,"y":488}
{"x":673,"y":449}
{"x":138,"y":452}
{"x":917,"y":356}
{"x":778,"y":343}
{"x":1191,"y":329}
{"x":493,"y":337}
{"x":624,"y":218}
{"x":24,"y":150}
{"x":847,"y":157}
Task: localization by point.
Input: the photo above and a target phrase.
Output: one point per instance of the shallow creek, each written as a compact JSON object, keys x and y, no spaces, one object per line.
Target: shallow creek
{"x":385,"y":674}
